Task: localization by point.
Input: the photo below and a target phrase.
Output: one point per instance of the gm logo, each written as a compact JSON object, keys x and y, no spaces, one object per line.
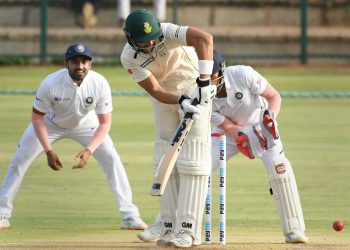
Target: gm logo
{"x":168,"y":225}
{"x":186,"y":225}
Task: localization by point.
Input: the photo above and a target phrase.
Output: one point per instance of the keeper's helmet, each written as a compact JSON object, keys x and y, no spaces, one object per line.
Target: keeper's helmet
{"x":218,"y":67}
{"x":219,"y":62}
{"x":142,"y":26}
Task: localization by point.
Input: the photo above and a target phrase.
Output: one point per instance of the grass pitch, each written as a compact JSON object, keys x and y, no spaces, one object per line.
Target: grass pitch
{"x":74,"y":209}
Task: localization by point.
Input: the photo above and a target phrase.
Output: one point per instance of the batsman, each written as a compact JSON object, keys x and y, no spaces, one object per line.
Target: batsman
{"x":245,"y":108}
{"x":173,"y":64}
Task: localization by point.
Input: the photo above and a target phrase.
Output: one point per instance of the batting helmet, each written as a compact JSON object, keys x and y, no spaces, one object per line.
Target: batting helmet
{"x":141,"y":26}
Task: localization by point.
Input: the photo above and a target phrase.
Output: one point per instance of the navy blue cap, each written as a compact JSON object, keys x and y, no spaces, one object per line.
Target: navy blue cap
{"x":219,"y":61}
{"x":78,"y":49}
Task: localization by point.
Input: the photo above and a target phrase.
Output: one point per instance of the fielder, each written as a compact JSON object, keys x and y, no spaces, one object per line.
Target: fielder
{"x":173,"y":64}
{"x":245,"y":109}
{"x":76,"y":103}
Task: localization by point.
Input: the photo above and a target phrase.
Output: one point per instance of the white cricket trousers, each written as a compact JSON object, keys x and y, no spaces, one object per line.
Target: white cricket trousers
{"x":106,"y":155}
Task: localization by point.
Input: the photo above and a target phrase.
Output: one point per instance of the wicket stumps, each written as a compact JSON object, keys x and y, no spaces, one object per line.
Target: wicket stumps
{"x":222,"y":198}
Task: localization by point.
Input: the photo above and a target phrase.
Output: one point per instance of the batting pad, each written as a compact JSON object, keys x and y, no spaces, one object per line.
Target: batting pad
{"x":194,"y":158}
{"x":192,"y":194}
{"x":285,"y":193}
{"x":168,"y":203}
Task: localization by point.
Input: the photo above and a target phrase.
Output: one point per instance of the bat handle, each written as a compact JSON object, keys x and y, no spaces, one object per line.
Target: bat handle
{"x":194,"y":103}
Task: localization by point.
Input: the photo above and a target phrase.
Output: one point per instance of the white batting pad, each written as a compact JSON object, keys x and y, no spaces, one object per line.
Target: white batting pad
{"x":285,"y":193}
{"x":194,"y":158}
{"x":192,"y":194}
{"x":168,"y":203}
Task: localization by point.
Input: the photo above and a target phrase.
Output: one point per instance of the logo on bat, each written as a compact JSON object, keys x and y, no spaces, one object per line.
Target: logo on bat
{"x":178,"y":133}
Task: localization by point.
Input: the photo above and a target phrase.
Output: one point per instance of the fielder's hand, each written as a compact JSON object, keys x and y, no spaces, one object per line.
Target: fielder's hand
{"x":83,"y":157}
{"x":53,"y":161}
{"x":204,"y":92}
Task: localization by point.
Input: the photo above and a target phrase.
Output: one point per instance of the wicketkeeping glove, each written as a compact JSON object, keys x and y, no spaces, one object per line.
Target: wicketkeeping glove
{"x":204,"y":92}
{"x":250,"y":142}
{"x":268,"y":126}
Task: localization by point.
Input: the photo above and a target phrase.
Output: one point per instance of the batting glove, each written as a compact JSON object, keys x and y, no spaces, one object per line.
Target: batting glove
{"x":186,"y":105}
{"x":204,"y":92}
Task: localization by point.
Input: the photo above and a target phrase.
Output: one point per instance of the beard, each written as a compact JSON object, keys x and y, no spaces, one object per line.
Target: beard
{"x":77,"y":75}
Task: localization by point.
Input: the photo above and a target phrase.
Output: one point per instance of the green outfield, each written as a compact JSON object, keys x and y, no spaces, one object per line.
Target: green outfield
{"x":74,"y":209}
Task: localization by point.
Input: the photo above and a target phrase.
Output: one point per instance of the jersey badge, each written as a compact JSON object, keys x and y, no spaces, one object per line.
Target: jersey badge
{"x":79,"y":48}
{"x":89,"y":100}
{"x":147,"y":28}
{"x":239,"y":95}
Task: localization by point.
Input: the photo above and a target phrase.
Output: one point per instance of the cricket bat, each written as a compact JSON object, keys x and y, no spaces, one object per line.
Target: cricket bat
{"x":168,"y":160}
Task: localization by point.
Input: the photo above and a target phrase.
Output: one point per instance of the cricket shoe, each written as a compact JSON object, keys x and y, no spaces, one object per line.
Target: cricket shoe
{"x":296,"y":237}
{"x":183,"y":240}
{"x":4,"y":223}
{"x":133,"y":223}
{"x":166,"y":238}
{"x":152,"y":233}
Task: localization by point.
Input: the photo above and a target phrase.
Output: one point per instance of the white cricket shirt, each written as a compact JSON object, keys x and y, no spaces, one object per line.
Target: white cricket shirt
{"x":243,"y":102}
{"x":69,"y":105}
{"x":174,"y":64}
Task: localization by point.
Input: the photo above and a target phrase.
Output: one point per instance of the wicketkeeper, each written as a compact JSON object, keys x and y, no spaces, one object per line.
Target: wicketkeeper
{"x":245,"y":109}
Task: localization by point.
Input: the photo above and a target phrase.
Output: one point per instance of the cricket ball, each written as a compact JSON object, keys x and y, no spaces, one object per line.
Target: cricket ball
{"x":338,"y":225}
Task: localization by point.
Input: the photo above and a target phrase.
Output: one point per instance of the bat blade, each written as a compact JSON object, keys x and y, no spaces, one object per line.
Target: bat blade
{"x":167,"y":163}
